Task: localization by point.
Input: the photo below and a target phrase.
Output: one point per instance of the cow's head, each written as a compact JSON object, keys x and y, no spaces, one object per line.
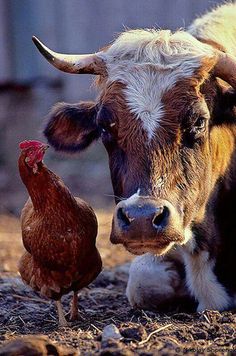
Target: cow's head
{"x":159,"y":115}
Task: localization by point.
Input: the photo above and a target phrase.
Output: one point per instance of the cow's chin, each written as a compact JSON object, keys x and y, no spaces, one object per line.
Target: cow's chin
{"x":158,"y":244}
{"x":137,"y":248}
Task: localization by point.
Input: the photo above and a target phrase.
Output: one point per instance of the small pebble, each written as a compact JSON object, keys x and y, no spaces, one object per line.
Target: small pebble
{"x":111,"y":332}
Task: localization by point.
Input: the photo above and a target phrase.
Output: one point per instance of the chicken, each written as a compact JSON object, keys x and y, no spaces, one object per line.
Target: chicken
{"x":58,"y":231}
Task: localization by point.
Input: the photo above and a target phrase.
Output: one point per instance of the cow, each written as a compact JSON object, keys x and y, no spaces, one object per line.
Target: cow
{"x":166,"y":116}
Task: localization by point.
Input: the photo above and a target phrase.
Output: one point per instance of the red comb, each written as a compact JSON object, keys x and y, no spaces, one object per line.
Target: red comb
{"x":30,"y":143}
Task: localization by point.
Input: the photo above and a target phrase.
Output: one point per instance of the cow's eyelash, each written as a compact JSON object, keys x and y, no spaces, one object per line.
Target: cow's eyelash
{"x":200,"y":122}
{"x":196,"y":122}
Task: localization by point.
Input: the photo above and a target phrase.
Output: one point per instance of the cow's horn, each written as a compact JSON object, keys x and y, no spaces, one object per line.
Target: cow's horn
{"x":225,"y":68}
{"x":79,"y":63}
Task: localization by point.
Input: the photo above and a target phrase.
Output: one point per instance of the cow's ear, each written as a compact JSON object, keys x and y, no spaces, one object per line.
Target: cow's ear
{"x":72,"y":127}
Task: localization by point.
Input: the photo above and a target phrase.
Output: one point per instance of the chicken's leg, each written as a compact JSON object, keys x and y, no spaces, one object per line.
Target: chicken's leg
{"x":74,"y":315}
{"x":62,"y":319}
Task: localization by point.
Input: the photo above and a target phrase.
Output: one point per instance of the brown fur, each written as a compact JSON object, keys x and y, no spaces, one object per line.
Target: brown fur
{"x":192,"y":168}
{"x":188,"y":174}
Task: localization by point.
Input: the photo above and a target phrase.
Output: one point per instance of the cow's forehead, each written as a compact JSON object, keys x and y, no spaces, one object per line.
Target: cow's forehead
{"x":150,"y":63}
{"x":162,"y":48}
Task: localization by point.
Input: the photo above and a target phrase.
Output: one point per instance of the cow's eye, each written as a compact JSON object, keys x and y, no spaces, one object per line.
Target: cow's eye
{"x":196,"y":132}
{"x":199,"y":127}
{"x":106,"y":128}
{"x":103,"y":130}
{"x":108,"y":132}
{"x":200,"y":123}
{"x":105,"y":121}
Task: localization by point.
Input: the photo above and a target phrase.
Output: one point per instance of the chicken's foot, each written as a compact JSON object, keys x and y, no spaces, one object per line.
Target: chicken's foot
{"x":74,"y":315}
{"x":61,"y":316}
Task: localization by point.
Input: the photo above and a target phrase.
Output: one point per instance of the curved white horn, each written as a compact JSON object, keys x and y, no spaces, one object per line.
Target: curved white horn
{"x":79,"y":63}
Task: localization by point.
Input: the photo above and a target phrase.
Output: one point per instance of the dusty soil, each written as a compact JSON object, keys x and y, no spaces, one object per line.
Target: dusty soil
{"x":23,"y":312}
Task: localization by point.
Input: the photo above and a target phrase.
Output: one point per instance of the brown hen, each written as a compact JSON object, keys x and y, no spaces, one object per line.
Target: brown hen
{"x":58,"y":231}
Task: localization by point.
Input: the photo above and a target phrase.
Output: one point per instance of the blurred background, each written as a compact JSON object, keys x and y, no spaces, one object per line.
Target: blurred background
{"x":29,"y":86}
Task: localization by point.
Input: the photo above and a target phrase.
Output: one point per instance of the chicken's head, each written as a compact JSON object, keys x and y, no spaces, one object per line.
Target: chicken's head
{"x":34,"y":152}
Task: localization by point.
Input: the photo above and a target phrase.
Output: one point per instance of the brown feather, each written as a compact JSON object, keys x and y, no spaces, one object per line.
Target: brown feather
{"x":59,"y":234}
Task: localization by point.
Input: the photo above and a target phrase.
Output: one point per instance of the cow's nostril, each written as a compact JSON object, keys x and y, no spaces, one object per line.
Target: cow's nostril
{"x":123,"y":218}
{"x":160,"y":219}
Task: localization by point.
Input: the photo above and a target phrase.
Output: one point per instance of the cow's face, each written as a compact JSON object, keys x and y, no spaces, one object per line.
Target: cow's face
{"x":157,"y":123}
{"x":159,"y":160}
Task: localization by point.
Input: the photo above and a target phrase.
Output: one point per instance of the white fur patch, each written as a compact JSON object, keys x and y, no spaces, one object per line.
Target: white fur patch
{"x":133,"y":198}
{"x":149,"y":63}
{"x":203,"y":284}
{"x":152,"y":280}
{"x":188,"y":239}
{"x":219,"y":26}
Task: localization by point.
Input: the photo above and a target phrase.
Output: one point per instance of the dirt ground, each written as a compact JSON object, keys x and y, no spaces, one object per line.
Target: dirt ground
{"x":23,"y":312}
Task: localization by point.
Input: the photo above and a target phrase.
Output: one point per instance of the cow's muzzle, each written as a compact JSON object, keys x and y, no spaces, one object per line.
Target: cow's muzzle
{"x":144,"y":224}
